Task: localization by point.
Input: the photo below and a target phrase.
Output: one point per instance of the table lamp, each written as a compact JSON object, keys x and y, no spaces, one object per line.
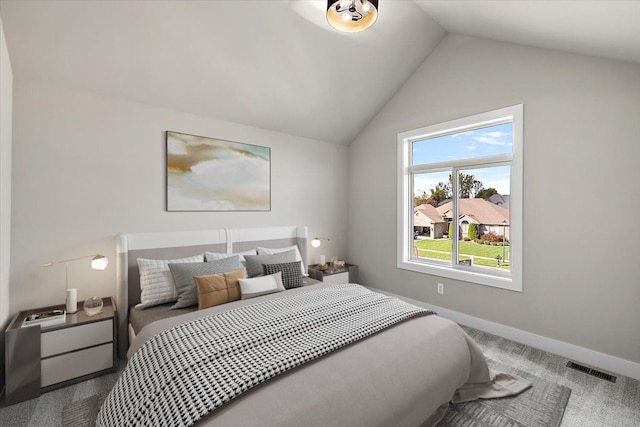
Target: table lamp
{"x":98,"y":262}
{"x":316,"y":242}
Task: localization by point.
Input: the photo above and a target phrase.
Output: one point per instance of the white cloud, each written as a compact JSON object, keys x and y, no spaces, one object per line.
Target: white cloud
{"x":493,"y":138}
{"x":496,"y":134}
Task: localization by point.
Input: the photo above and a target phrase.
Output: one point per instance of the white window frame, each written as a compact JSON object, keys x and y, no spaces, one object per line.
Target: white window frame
{"x":406,"y":260}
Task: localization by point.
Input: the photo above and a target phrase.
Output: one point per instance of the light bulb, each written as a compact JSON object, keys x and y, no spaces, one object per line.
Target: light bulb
{"x":315,"y":243}
{"x":352,"y":16}
{"x":99,"y":262}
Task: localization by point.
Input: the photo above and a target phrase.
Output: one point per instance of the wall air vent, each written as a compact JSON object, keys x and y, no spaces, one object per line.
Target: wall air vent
{"x":591,"y":371}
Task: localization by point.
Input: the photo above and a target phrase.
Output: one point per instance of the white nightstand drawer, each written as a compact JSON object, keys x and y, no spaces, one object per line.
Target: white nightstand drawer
{"x":337,"y":279}
{"x":72,"y":365}
{"x":69,"y":339}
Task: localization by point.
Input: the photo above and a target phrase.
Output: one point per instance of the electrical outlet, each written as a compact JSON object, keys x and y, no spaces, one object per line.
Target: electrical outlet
{"x":441,"y":288}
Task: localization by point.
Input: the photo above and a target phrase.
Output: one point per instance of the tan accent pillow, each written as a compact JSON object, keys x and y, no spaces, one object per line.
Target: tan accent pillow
{"x":218,"y":288}
{"x":233,"y":286}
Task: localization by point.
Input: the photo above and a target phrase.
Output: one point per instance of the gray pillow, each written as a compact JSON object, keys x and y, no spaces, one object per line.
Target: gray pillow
{"x":255,"y":262}
{"x":183,"y":277}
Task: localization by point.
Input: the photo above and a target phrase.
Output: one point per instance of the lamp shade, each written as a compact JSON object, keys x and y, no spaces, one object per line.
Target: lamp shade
{"x":99,"y":262}
{"x":317,"y":241}
{"x":352,"y":15}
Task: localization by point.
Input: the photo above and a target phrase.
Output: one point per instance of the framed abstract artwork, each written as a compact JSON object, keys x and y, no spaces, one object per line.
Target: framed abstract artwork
{"x":208,"y":174}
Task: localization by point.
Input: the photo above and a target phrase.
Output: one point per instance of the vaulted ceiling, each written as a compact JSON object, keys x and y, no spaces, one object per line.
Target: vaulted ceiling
{"x":277,"y":64}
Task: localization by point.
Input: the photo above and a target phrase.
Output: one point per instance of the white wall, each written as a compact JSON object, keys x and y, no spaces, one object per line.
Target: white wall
{"x":87,"y":168}
{"x":581,"y":175}
{"x":6,"y":97}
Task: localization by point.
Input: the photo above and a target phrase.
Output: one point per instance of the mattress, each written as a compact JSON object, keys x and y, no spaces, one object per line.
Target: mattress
{"x":405,"y":375}
{"x":139,"y":318}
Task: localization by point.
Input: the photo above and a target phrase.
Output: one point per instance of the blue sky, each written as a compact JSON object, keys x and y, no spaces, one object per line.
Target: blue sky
{"x":482,"y":142}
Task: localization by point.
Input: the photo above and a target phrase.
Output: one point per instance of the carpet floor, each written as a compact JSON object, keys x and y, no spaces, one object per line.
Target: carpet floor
{"x":593,"y":402}
{"x":543,"y":404}
{"x":83,"y":413}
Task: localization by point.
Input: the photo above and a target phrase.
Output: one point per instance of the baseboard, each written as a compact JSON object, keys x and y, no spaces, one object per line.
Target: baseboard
{"x":593,"y":358}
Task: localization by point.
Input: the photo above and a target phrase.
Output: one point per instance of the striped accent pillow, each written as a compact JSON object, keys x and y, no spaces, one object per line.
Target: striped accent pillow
{"x":156,"y":280}
{"x":291,"y":273}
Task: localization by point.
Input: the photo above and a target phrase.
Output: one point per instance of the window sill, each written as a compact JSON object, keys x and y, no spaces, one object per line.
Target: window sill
{"x":506,"y":282}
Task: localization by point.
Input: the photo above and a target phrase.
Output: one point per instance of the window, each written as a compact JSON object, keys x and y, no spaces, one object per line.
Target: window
{"x":462,"y":181}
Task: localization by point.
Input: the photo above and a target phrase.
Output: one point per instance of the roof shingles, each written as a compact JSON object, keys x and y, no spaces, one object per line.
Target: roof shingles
{"x":483,"y":211}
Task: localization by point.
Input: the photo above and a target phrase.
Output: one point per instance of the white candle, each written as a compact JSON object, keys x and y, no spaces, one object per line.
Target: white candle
{"x":322,"y":259}
{"x":72,"y":300}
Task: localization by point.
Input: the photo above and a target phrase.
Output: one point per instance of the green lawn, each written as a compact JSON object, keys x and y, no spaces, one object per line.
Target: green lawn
{"x":427,"y":247}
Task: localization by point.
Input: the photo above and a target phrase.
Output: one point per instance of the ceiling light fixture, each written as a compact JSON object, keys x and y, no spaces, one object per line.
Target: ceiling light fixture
{"x":352,"y":15}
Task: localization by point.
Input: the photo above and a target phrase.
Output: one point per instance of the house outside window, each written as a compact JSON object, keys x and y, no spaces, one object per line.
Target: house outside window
{"x":464,"y":228}
{"x":460,"y":199}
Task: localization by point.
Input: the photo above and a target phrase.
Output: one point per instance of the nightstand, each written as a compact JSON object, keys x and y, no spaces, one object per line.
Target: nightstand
{"x":40,"y":359}
{"x":348,"y":274}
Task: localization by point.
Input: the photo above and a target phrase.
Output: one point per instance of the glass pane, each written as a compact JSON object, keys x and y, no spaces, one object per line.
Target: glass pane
{"x":430,"y":231}
{"x":483,"y":220}
{"x":482,"y":142}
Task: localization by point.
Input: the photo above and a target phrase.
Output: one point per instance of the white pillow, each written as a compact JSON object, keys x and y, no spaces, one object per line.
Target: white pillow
{"x":156,"y":281}
{"x":262,"y":285}
{"x":271,"y":251}
{"x":211,"y":256}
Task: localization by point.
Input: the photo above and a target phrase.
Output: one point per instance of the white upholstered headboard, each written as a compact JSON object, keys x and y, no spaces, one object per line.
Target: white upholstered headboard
{"x":178,"y":244}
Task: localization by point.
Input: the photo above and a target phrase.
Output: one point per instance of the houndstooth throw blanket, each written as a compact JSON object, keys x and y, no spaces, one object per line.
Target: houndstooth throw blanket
{"x":183,"y":373}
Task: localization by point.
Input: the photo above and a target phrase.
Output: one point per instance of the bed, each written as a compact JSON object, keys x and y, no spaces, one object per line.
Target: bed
{"x":170,"y":245}
{"x":401,"y":375}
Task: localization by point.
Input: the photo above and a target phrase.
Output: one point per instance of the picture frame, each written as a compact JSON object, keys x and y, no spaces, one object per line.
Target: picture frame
{"x":210,"y":174}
